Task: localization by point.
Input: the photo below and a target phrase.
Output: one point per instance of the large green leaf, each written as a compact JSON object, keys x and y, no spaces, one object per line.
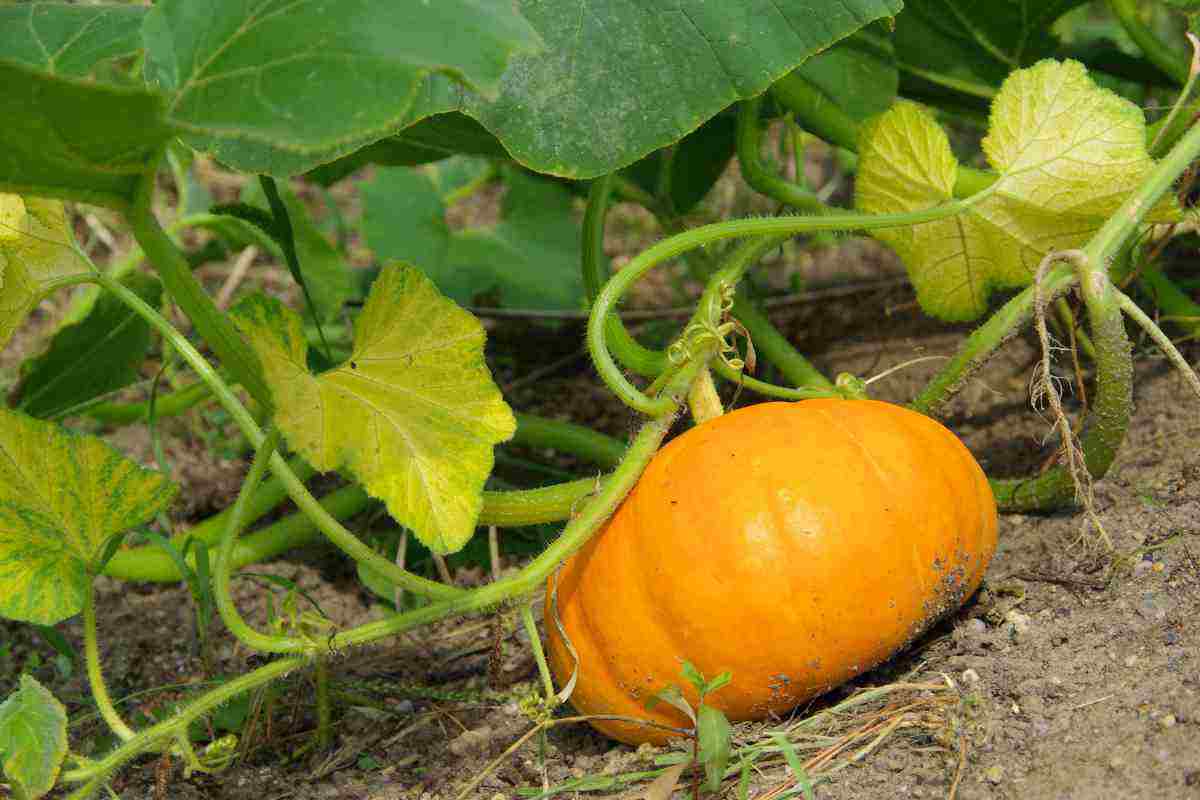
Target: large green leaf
{"x":72,"y":126}
{"x":413,"y":413}
{"x":858,"y":74}
{"x":971,"y":45}
{"x":698,"y":161}
{"x":432,"y":139}
{"x":33,"y":737}
{"x":326,"y":274}
{"x":530,"y":258}
{"x":62,"y":495}
{"x":253,"y":80}
{"x":620,"y":79}
{"x":92,"y":357}
{"x":1068,"y":154}
{"x":69,"y":40}
{"x":76,"y":138}
{"x":36,"y":247}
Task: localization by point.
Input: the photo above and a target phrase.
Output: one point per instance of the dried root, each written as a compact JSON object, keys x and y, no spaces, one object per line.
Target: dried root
{"x":1044,"y":390}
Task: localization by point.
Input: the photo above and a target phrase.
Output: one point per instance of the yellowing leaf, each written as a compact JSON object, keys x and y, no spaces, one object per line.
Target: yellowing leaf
{"x":413,"y":413}
{"x":35,"y":247}
{"x":1067,"y":154}
{"x":62,"y":496}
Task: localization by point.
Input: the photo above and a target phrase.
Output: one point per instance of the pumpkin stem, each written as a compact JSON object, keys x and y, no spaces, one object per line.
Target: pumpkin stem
{"x":1161,"y":339}
{"x":703,"y":399}
{"x":851,"y":387}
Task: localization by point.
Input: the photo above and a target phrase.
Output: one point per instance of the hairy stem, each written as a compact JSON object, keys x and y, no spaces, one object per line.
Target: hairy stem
{"x":578,"y":440}
{"x":176,"y":275}
{"x":324,"y":704}
{"x":1108,"y":416}
{"x":1173,"y":303}
{"x":97,"y":772}
{"x":1161,"y":339}
{"x":676,"y":245}
{"x":703,"y":399}
{"x":539,"y":655}
{"x":632,"y":354}
{"x":223,"y":572}
{"x":91,"y":649}
{"x":756,"y":173}
{"x":986,"y":340}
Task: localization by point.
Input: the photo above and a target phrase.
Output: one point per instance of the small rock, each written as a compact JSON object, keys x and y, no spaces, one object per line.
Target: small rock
{"x":1142,"y":568}
{"x":994,"y":774}
{"x":1020,"y":622}
{"x":970,"y":677}
{"x":471,"y":741}
{"x":1167,"y":720}
{"x":974,"y":627}
{"x":1130,"y":660}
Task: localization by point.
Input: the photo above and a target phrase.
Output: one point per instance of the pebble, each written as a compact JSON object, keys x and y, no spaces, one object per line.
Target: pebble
{"x":1019,"y":622}
{"x":994,"y":774}
{"x":970,"y":677}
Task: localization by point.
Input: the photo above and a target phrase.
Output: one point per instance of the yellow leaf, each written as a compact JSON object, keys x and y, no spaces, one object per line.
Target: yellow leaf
{"x":1067,"y":154}
{"x":62,"y":496}
{"x":36,"y":247}
{"x":413,"y":413}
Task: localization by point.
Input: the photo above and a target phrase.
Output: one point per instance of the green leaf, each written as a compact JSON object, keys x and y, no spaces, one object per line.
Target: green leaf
{"x":90,"y":358}
{"x":71,"y":40}
{"x":33,"y":737}
{"x":971,"y":45}
{"x":62,"y":495}
{"x":530,"y":258}
{"x":858,"y":74}
{"x":693,"y":676}
{"x":413,"y":413}
{"x":314,"y":78}
{"x":36,"y":247}
{"x":619,"y":79}
{"x":700,"y":159}
{"x":673,"y":697}
{"x":432,"y":139}
{"x":65,"y":135}
{"x":794,"y":764}
{"x":1067,"y":152}
{"x":74,"y":138}
{"x":718,"y":682}
{"x":326,"y":273}
{"x":713,"y":734}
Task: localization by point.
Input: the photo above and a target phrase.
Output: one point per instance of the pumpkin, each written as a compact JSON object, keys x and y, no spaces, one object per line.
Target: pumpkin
{"x":794,"y":544}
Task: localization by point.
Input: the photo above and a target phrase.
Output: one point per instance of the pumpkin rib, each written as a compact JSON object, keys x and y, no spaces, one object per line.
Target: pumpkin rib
{"x":964,"y":517}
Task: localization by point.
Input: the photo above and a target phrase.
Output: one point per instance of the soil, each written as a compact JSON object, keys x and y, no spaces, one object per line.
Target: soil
{"x":1074,"y":674}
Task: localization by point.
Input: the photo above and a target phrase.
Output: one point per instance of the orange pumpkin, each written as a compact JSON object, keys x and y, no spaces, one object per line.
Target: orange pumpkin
{"x":793,"y":544}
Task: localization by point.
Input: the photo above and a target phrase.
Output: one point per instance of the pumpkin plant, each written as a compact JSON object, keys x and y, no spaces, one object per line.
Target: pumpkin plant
{"x":820,"y":516}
